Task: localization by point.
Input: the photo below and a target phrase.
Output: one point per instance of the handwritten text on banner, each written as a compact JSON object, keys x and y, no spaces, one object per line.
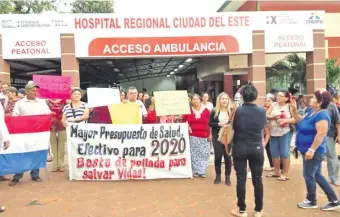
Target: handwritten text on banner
{"x":171,"y":102}
{"x":53,"y":87}
{"x":106,"y":152}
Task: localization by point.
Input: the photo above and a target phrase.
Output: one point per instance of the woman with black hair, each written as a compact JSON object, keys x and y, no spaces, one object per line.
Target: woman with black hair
{"x":151,"y":118}
{"x":249,"y":123}
{"x":280,"y":118}
{"x":311,"y":140}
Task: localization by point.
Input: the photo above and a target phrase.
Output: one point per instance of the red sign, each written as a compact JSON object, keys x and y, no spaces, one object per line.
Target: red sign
{"x":154,"y":46}
{"x":53,"y":87}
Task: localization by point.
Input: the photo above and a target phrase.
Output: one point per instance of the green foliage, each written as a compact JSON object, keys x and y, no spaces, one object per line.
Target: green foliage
{"x":25,"y":7}
{"x":292,"y":69}
{"x":89,"y":6}
{"x":333,"y":72}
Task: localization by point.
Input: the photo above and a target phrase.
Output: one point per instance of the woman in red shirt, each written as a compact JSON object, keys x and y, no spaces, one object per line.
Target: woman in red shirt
{"x":151,"y":118}
{"x":199,"y":136}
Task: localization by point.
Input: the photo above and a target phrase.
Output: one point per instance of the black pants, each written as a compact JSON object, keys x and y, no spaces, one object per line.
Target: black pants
{"x":254,"y":154}
{"x":269,"y":156}
{"x":219,"y":151}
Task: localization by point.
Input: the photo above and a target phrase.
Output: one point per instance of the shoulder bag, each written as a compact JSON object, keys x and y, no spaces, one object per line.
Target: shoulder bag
{"x":74,"y":113}
{"x":226,"y":133}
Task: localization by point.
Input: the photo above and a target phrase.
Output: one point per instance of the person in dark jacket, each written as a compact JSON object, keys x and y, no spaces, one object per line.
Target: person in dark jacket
{"x":249,"y":123}
{"x":219,"y":117}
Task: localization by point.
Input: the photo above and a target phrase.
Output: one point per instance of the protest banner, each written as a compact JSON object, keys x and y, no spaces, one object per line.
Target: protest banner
{"x":104,"y":152}
{"x":125,"y":113}
{"x":102,"y":96}
{"x":171,"y":102}
{"x":53,"y":87}
{"x":29,"y":138}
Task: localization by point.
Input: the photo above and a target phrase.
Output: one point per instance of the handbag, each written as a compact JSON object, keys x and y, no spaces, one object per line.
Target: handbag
{"x":226,"y":133}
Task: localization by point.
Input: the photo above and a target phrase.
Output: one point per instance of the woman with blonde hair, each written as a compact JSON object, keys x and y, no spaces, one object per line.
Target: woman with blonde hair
{"x":219,"y":117}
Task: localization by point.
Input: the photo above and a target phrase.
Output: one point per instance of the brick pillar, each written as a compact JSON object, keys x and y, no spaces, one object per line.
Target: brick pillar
{"x":257,"y":67}
{"x":228,"y":85}
{"x":5,"y":71}
{"x":315,"y":60}
{"x":69,"y":62}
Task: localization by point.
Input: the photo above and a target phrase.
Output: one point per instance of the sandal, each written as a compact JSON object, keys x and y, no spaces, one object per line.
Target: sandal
{"x":5,"y":178}
{"x":62,"y":169}
{"x":2,"y":209}
{"x":269,"y":169}
{"x":272,"y":175}
{"x":336,"y":183}
{"x":283,"y":178}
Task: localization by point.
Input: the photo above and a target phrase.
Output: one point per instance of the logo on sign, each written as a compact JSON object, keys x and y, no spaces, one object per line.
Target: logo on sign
{"x":314,"y":19}
{"x":274,"y":20}
{"x":271,"y":20}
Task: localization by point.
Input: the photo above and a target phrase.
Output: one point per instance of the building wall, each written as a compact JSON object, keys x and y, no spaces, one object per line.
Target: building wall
{"x":152,"y":84}
{"x":332,"y":30}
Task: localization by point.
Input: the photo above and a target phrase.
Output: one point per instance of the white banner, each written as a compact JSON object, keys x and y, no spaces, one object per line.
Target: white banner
{"x":70,"y":23}
{"x":31,"y":45}
{"x":103,"y":152}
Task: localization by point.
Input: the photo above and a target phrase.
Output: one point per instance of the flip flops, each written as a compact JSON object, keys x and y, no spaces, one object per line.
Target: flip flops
{"x":2,"y":209}
{"x":272,"y":175}
{"x":283,"y":178}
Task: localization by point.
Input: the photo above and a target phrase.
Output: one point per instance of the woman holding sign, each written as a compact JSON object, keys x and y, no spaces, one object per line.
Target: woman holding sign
{"x":199,"y":136}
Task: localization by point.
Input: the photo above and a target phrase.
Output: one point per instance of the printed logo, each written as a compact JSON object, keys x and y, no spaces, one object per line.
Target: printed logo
{"x":271,"y":20}
{"x":314,"y":19}
{"x":279,"y":20}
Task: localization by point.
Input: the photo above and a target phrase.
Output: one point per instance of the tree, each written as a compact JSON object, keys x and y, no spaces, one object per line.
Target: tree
{"x":293,"y":68}
{"x":89,"y":6}
{"x":333,"y":72}
{"x":25,"y":7}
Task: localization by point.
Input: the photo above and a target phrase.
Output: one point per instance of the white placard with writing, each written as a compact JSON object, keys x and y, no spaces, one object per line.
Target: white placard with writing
{"x":105,"y":152}
{"x":102,"y":96}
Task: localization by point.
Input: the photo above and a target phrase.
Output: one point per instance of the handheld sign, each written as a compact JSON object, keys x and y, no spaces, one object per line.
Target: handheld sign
{"x":53,"y":87}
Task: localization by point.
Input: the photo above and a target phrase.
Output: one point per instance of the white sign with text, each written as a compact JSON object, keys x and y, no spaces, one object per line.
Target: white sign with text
{"x":31,"y":45}
{"x":106,"y":152}
{"x":288,"y":40}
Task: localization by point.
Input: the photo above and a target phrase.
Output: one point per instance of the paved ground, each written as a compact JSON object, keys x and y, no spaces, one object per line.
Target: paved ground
{"x":167,"y":198}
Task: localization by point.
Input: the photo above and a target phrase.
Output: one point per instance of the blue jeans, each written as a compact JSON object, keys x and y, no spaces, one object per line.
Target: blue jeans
{"x":312,"y":174}
{"x":34,"y":174}
{"x":280,"y":145}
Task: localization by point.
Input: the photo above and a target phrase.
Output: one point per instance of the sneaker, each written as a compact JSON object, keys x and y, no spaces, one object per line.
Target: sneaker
{"x":331,"y":206}
{"x":13,"y":182}
{"x":217,"y":179}
{"x":238,"y":213}
{"x":258,"y":214}
{"x":306,"y":204}
{"x":37,"y":179}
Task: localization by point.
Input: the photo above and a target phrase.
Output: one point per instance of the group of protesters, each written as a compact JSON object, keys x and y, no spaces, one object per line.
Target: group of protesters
{"x":256,"y":128}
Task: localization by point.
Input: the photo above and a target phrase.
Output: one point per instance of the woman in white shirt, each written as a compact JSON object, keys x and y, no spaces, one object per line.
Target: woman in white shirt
{"x":205,"y":101}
